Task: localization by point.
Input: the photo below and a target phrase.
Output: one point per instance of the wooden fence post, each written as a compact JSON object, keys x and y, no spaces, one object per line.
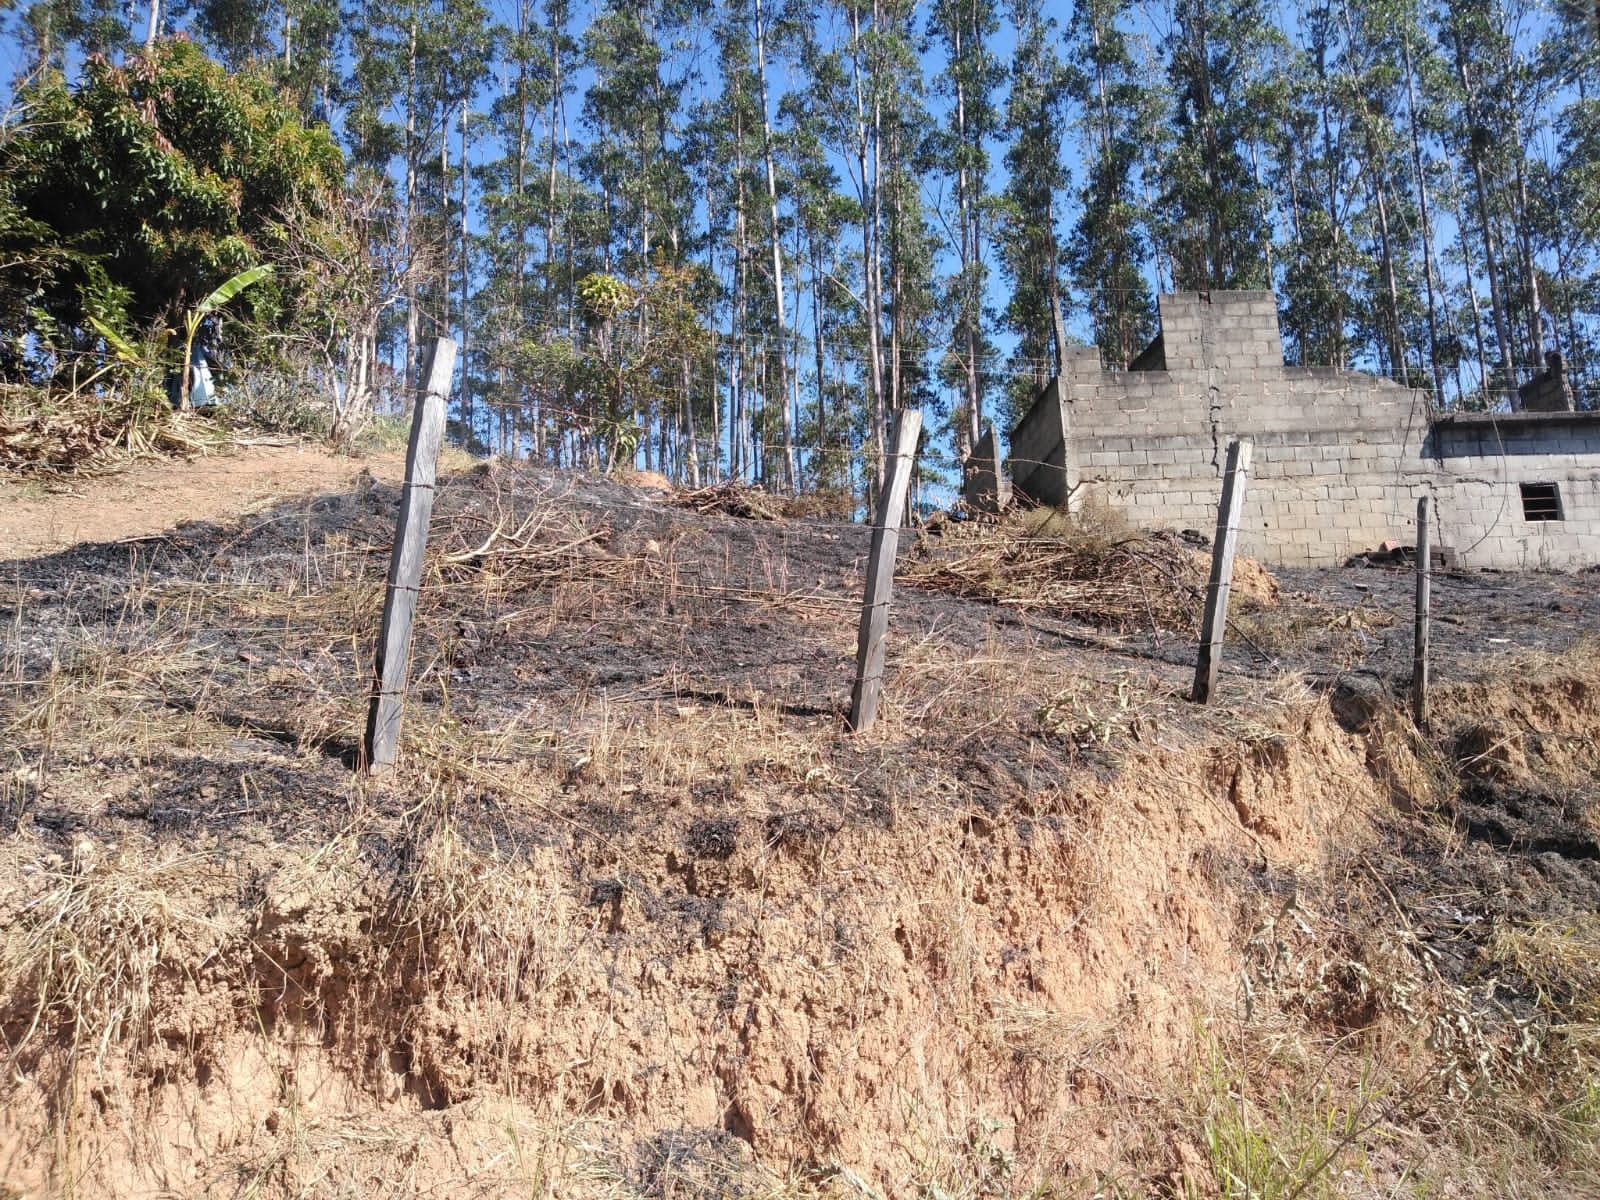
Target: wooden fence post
{"x":880,"y":570}
{"x":405,"y":561}
{"x":1419,"y":645}
{"x":1209,"y":661}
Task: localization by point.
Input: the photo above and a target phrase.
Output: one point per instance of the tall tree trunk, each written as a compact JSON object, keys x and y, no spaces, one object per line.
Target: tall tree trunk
{"x":714,"y":389}
{"x":1375,"y":184}
{"x":866,"y":163}
{"x":895,"y":256}
{"x":687,"y":376}
{"x":1397,"y":354}
{"x":1529,"y":272}
{"x":1502,"y":327}
{"x":1427,"y":223}
{"x":1058,"y":321}
{"x":1334,"y":331}
{"x":817,"y":277}
{"x":1266,"y":214}
{"x":1462,"y":225}
{"x":791,"y":476}
{"x":466,"y":281}
{"x":739,"y":449}
{"x":970,"y":246}
{"x":413,"y":151}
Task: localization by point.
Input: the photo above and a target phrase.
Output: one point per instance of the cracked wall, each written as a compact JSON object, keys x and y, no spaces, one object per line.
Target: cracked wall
{"x":1340,"y":456}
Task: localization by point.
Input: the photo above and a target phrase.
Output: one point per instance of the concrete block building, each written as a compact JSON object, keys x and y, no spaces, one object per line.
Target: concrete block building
{"x":1340,"y":456}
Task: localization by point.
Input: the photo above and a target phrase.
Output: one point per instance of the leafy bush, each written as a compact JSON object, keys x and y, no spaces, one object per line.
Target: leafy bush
{"x":139,"y":190}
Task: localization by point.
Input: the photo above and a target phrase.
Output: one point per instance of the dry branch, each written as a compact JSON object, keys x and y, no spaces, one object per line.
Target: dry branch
{"x":1140,"y":579}
{"x":734,"y":500}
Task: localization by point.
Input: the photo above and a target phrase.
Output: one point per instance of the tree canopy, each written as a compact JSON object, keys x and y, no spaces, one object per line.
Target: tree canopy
{"x":821,"y":210}
{"x":146,"y":184}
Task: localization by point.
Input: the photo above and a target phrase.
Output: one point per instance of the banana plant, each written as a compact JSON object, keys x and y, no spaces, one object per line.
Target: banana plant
{"x":197,"y":315}
{"x":126,"y":353}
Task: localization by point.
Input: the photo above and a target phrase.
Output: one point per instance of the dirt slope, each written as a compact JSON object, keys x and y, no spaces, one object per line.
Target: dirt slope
{"x":636,"y":917}
{"x":44,"y":515}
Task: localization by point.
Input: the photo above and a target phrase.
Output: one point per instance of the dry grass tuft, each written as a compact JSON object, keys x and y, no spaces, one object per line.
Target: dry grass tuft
{"x":85,"y":952}
{"x":1278,"y":1124}
{"x":1562,"y":960}
{"x":86,"y":427}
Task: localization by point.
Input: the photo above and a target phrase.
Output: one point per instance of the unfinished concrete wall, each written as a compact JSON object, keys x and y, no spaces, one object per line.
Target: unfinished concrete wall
{"x":1549,"y":390}
{"x":1340,"y":456}
{"x":984,"y":486}
{"x":1501,"y":474}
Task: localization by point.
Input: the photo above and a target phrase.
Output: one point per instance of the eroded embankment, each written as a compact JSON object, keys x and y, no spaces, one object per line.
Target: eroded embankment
{"x":772,"y":977}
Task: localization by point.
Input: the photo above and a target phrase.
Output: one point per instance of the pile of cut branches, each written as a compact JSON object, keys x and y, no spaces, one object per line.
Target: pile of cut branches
{"x":40,"y":432}
{"x":536,"y":545}
{"x":733,"y":499}
{"x":1139,"y":579}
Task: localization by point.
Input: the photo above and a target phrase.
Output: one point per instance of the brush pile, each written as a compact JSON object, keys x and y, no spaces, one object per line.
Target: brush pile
{"x":734,"y":500}
{"x":39,"y":432}
{"x":1123,"y":580}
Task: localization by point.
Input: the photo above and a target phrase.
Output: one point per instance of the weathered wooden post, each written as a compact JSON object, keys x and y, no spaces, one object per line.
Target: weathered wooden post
{"x":880,"y":569}
{"x":405,"y":562}
{"x":1419,"y":644}
{"x":1209,"y":661}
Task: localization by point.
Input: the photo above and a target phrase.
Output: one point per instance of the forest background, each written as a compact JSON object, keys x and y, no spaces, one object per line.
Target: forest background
{"x":726,"y":238}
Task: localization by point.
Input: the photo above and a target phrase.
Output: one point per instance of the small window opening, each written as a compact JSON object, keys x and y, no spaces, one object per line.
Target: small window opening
{"x":1540,"y":502}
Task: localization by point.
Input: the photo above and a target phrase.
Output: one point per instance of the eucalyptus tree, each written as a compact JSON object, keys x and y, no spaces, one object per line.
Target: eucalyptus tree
{"x":907,"y":299}
{"x":823,"y":214}
{"x":860,"y":83}
{"x":1485,"y":132}
{"x":633,"y":112}
{"x":1117,"y":119}
{"x":525,"y":296}
{"x":1566,"y":191}
{"x":1215,"y":208}
{"x":1371,"y":94}
{"x":414,"y":65}
{"x":1311,"y":170}
{"x":50,"y":30}
{"x":727,"y":148}
{"x":1030,"y":248}
{"x":965,"y":30}
{"x":789,"y":400}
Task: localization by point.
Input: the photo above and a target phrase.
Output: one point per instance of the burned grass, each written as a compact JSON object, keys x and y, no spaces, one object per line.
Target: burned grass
{"x":636,"y":916}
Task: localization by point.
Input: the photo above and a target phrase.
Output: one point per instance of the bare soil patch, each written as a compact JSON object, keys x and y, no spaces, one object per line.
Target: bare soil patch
{"x":45,"y":514}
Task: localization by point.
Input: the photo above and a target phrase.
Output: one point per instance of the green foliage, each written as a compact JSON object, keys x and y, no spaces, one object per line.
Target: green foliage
{"x":1214,"y":205}
{"x":148,"y":181}
{"x":196,"y":316}
{"x":1030,"y":245}
{"x":605,"y":297}
{"x":1303,"y":1139}
{"x":1107,"y":250}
